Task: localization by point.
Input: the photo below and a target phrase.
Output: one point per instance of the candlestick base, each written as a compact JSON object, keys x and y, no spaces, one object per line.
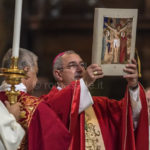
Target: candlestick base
{"x":13,"y":76}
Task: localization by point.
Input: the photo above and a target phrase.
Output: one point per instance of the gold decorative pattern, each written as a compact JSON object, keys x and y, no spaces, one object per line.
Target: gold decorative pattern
{"x":29,"y":104}
{"x":93,"y":136}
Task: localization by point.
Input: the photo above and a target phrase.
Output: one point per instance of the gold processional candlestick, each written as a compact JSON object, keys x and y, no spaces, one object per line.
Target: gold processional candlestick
{"x":13,"y":76}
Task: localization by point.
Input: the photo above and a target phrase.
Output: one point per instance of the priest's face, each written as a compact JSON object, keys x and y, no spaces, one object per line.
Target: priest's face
{"x":31,"y":80}
{"x":73,"y":68}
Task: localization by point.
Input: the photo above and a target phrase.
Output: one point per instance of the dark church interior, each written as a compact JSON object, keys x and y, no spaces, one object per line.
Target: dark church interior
{"x":52,"y":26}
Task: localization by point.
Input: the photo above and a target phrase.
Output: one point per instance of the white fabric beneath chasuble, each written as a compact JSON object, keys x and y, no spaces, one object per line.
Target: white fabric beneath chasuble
{"x":93,"y":135}
{"x":11,"y":132}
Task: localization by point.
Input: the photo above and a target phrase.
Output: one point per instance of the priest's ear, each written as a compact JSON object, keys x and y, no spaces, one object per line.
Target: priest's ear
{"x":26,"y":69}
{"x":57,"y":75}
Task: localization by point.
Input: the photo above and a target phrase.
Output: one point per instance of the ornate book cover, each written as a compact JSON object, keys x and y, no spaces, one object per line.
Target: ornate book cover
{"x":114,"y":39}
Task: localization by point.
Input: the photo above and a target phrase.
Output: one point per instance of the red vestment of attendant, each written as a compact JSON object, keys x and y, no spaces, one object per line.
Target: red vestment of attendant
{"x":114,"y":117}
{"x":48,"y":130}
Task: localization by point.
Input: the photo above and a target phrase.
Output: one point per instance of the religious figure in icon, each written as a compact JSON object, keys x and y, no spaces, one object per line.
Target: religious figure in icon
{"x":115,"y":38}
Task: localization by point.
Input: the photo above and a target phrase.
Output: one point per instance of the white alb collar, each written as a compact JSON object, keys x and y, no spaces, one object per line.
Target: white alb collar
{"x":59,"y":88}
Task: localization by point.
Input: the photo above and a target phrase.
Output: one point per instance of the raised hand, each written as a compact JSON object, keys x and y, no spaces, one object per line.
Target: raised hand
{"x":14,"y":109}
{"x":93,"y":72}
{"x":132,"y":74}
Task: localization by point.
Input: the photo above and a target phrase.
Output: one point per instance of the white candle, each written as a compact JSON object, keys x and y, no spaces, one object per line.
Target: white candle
{"x":17,"y":26}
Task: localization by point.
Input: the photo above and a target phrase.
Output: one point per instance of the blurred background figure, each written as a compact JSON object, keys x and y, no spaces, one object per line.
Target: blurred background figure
{"x":148,"y":97}
{"x":148,"y":100}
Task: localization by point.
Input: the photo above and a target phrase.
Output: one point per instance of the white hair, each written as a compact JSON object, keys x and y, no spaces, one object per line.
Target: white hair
{"x":26,"y":59}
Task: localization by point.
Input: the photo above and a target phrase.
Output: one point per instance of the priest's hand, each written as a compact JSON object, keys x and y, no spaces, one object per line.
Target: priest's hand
{"x":131,"y":74}
{"x":14,"y":109}
{"x":93,"y":72}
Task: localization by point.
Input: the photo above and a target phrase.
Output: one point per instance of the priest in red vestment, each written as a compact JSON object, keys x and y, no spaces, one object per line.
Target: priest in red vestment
{"x":107,"y":124}
{"x":28,"y":62}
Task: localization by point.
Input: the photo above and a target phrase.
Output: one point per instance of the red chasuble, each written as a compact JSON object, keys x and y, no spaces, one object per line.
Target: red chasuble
{"x":49,"y":129}
{"x":116,"y":123}
{"x":46,"y":131}
{"x":114,"y":117}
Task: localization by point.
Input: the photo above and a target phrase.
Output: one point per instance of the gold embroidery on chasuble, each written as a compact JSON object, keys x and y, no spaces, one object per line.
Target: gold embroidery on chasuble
{"x":29,"y":104}
{"x":93,"y":136}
